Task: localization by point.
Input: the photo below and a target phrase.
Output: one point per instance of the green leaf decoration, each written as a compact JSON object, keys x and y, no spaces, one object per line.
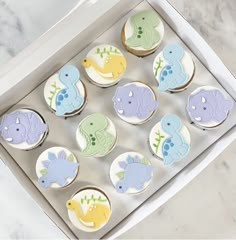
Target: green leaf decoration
{"x":120,"y":174}
{"x":70,"y":157}
{"x":144,"y":161}
{"x":92,"y":198}
{"x":43,"y":171}
{"x":158,"y":140}
{"x":53,"y":92}
{"x":158,"y":66}
{"x":106,"y":51}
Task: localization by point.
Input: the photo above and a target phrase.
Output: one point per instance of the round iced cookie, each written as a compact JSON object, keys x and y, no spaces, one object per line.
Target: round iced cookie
{"x":89,"y":210}
{"x":65,"y":93}
{"x":169,"y":139}
{"x":131,"y":172}
{"x":208,"y":107}
{"x":56,"y":167}
{"x":96,"y":135}
{"x":173,"y":68}
{"x":105,"y":65}
{"x":23,"y":129}
{"x":143,"y":33}
{"x":135,"y":102}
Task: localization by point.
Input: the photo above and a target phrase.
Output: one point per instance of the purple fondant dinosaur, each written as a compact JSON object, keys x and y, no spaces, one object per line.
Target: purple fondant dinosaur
{"x":59,"y":169}
{"x":136,"y":174}
{"x":208,"y":105}
{"x":19,"y":127}
{"x":134,"y":101}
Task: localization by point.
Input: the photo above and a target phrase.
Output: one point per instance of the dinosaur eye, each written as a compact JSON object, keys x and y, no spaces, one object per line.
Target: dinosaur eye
{"x":204,"y":108}
{"x":129,"y":102}
{"x":168,"y":124}
{"x":66,"y":75}
{"x":43,"y":181}
{"x":143,"y":18}
{"x":69,"y":204}
{"x":120,"y":187}
{"x":85,"y":60}
{"x":17,"y":129}
{"x":170,"y":52}
{"x":91,"y":124}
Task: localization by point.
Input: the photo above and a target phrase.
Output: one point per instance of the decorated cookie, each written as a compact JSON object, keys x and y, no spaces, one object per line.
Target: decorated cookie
{"x":143,"y":33}
{"x":169,"y":139}
{"x":173,"y":68}
{"x":23,"y":129}
{"x":64,"y":92}
{"x":131,"y":172}
{"x":208,"y":107}
{"x":105,"y":65}
{"x":56,"y":167}
{"x":135,"y":102}
{"x":89,"y":210}
{"x":96,"y":135}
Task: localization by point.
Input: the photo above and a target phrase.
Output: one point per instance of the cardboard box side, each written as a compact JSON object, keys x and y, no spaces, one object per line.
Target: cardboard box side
{"x":197,"y":44}
{"x":56,"y":47}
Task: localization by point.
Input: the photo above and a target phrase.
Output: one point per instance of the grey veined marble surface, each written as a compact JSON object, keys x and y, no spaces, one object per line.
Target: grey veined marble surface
{"x":205,"y":208}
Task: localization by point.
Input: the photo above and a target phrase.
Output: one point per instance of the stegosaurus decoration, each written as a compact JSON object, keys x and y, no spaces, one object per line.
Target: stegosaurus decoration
{"x":135,"y":174}
{"x":57,"y":169}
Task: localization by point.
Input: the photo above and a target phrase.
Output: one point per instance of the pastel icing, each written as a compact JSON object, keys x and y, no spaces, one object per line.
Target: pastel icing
{"x":208,"y":105}
{"x":114,"y":63}
{"x":174,"y":147}
{"x":57,"y":169}
{"x":136,"y":172}
{"x":134,"y":101}
{"x":172,"y":75}
{"x":144,"y":26}
{"x":22,"y":127}
{"x":95,"y":215}
{"x":98,"y":140}
{"x":68,"y":99}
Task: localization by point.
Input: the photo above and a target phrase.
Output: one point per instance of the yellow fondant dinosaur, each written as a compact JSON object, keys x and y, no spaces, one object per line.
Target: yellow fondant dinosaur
{"x":96,"y":215}
{"x":114,"y":64}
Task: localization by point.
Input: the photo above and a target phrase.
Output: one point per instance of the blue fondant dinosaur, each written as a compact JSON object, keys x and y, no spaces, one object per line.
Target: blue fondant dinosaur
{"x":174,"y":148}
{"x":136,"y":174}
{"x":59,"y":169}
{"x":68,"y":99}
{"x":172,"y":75}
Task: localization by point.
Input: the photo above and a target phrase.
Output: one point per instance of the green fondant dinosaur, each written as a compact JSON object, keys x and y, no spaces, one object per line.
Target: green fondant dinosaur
{"x":144,"y":26}
{"x":98,"y":140}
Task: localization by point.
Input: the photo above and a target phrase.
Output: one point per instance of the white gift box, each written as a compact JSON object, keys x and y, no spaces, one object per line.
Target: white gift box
{"x":88,"y":20}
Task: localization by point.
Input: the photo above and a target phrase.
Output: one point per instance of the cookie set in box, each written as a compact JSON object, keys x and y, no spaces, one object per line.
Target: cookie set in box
{"x":103,"y":132}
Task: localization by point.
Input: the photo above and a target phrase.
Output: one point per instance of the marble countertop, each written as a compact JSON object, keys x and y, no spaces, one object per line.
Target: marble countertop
{"x":205,"y":208}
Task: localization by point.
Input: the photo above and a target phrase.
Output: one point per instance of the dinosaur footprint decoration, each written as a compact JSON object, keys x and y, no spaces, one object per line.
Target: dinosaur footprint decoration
{"x":170,"y":139}
{"x":173,"y":68}
{"x":56,"y":167}
{"x":89,"y":210}
{"x":64,"y":92}
{"x":96,"y":135}
{"x":131,"y":173}
{"x":105,"y":65}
